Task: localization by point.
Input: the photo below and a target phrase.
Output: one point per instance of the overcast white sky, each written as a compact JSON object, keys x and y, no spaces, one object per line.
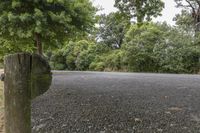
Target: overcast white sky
{"x":168,"y":13}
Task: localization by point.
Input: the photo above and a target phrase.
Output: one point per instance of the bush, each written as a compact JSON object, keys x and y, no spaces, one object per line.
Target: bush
{"x":70,"y":62}
{"x":97,"y":66}
{"x":57,"y":61}
{"x":76,"y":55}
{"x":59,"y":66}
{"x":114,"y":60}
{"x":140,"y":43}
{"x":84,"y":60}
{"x":147,"y":48}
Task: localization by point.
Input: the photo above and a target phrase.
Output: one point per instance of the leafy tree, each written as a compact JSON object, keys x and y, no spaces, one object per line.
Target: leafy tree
{"x":77,"y":55}
{"x":112,"y":29}
{"x":140,"y":9}
{"x":7,"y":47}
{"x":185,"y":22}
{"x":193,"y":8}
{"x":114,"y":60}
{"x":177,"y":51}
{"x":44,"y":21}
{"x":140,"y":43}
{"x":57,"y":60}
{"x":84,"y":52}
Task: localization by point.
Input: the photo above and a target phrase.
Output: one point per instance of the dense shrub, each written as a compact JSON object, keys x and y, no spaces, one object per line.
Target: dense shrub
{"x":97,"y":66}
{"x":140,"y":43}
{"x":160,"y":48}
{"x":57,"y":61}
{"x":147,"y":48}
{"x":77,"y":55}
{"x":114,"y":60}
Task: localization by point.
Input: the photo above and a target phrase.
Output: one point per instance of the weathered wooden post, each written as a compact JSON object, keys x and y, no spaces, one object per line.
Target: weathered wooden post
{"x":20,"y":86}
{"x":17,"y":93}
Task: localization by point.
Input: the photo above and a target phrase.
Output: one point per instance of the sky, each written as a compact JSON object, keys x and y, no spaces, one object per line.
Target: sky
{"x":168,"y":12}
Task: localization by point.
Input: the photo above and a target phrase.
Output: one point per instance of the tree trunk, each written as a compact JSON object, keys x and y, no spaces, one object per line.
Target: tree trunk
{"x":38,"y":44}
{"x":196,"y":17}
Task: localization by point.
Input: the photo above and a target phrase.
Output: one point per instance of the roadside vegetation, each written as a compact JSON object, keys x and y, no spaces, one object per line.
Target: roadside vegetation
{"x":152,"y":47}
{"x":72,"y":37}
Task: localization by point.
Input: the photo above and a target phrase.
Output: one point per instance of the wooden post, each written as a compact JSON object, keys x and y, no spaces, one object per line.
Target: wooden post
{"x":25,"y":77}
{"x":17,"y":93}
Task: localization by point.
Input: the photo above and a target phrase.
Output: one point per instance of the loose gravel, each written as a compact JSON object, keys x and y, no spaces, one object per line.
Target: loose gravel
{"x":92,"y":102}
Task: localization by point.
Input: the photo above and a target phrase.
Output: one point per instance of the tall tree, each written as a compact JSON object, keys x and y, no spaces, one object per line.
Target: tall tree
{"x":44,"y":21}
{"x":140,"y":9}
{"x":112,"y":29}
{"x":185,"y":22}
{"x":193,"y":7}
{"x":140,"y":43}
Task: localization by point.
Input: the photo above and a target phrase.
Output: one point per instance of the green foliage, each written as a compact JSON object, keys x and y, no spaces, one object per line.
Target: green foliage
{"x":97,"y":66}
{"x":112,"y":29}
{"x":140,"y":46}
{"x":80,"y":55}
{"x":140,"y":9}
{"x":77,"y":55}
{"x":190,"y":13}
{"x":179,"y":52}
{"x":147,"y":48}
{"x":84,"y":60}
{"x":114,"y":60}
{"x":44,"y":21}
{"x":57,"y":61}
{"x":66,"y":27}
{"x":161,"y":48}
{"x":9,"y":47}
{"x":185,"y":22}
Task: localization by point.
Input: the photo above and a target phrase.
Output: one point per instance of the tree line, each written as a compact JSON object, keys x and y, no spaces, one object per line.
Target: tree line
{"x":72,"y":37}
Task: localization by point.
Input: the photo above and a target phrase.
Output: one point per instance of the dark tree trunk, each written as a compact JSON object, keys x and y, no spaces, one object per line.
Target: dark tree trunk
{"x":38,"y":44}
{"x":196,"y":17}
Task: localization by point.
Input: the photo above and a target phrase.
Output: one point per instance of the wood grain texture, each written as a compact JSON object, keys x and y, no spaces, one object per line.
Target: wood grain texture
{"x":17,"y":93}
{"x":26,"y":77}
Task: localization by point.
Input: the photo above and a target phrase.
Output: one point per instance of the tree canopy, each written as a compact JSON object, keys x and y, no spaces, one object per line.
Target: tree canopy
{"x":185,"y":22}
{"x":108,"y":42}
{"x":193,"y":8}
{"x":44,"y":21}
{"x":140,"y":9}
{"x":112,"y":29}
{"x":151,"y":47}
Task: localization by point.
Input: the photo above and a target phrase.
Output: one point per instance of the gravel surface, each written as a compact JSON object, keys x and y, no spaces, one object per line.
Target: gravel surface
{"x":92,"y":102}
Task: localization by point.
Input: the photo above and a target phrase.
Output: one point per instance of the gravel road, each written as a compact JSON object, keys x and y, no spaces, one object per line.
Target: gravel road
{"x":92,"y":102}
